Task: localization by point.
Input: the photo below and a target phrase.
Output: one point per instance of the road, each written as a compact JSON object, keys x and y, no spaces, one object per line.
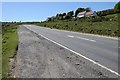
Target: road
{"x":100,"y":49}
{"x":50,"y":53}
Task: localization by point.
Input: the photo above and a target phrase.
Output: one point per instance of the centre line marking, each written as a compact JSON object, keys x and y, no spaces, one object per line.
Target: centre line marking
{"x":70,"y":36}
{"x":78,"y":54}
{"x":86,"y":39}
{"x":81,"y":38}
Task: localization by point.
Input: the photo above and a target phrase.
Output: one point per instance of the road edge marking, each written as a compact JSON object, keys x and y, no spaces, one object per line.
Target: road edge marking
{"x":78,"y":54}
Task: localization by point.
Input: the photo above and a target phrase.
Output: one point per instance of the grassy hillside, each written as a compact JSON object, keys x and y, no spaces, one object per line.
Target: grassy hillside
{"x":106,"y":25}
{"x":0,"y":55}
{"x":9,"y":44}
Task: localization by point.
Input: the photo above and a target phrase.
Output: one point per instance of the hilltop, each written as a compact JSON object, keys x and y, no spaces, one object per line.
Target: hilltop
{"x":105,"y":22}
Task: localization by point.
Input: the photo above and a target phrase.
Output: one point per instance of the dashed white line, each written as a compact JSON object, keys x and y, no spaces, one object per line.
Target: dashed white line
{"x":79,"y":54}
{"x":95,"y":35}
{"x":70,"y":36}
{"x":81,"y":38}
{"x":86,"y":39}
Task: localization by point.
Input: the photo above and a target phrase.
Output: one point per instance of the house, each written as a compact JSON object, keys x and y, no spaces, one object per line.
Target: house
{"x":86,"y":14}
{"x":81,"y":14}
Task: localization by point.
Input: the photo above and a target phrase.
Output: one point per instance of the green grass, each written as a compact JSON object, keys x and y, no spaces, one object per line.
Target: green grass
{"x":108,"y":27}
{"x":9,"y":44}
{"x":0,"y":56}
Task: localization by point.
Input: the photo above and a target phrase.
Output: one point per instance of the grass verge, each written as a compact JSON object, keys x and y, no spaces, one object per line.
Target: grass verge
{"x":90,"y":25}
{"x":0,"y":55}
{"x":9,"y":44}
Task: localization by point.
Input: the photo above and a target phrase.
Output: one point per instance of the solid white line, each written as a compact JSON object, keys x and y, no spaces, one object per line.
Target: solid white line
{"x":86,"y":39}
{"x":79,"y":54}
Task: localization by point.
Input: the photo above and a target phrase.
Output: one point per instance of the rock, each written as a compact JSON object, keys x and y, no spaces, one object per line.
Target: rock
{"x":52,"y":59}
{"x":77,"y":64}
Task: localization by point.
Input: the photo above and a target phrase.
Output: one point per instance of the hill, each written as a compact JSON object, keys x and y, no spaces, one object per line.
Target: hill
{"x":105,"y":25}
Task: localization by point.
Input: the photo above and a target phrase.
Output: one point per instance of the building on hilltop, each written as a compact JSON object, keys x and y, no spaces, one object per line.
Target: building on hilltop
{"x":86,"y":14}
{"x":81,"y":14}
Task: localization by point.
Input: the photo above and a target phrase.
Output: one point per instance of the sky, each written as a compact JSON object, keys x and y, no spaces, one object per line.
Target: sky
{"x":59,"y":0}
{"x":40,"y":11}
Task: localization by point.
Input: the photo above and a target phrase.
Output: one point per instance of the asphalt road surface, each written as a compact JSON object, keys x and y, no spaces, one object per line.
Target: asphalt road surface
{"x":100,"y":49}
{"x":38,"y":57}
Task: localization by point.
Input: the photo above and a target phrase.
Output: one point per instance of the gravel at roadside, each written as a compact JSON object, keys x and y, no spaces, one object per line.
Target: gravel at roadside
{"x":40,"y":58}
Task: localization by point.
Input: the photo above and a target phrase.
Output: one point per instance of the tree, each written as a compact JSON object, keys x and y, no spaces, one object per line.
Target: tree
{"x":57,"y":15}
{"x":79,"y":10}
{"x":88,"y":9}
{"x":70,"y":13}
{"x":49,"y":19}
{"x":117,"y":7}
{"x":106,"y":12}
{"x":64,"y":14}
{"x":60,"y":15}
{"x":67,"y":17}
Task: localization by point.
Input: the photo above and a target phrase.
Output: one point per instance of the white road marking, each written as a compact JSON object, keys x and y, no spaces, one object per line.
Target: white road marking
{"x":96,"y":35}
{"x":79,"y":54}
{"x":86,"y":39}
{"x":70,"y":36}
{"x":81,"y":38}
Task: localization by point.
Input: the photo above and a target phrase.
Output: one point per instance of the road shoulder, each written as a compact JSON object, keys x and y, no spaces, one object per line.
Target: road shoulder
{"x":40,"y":58}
